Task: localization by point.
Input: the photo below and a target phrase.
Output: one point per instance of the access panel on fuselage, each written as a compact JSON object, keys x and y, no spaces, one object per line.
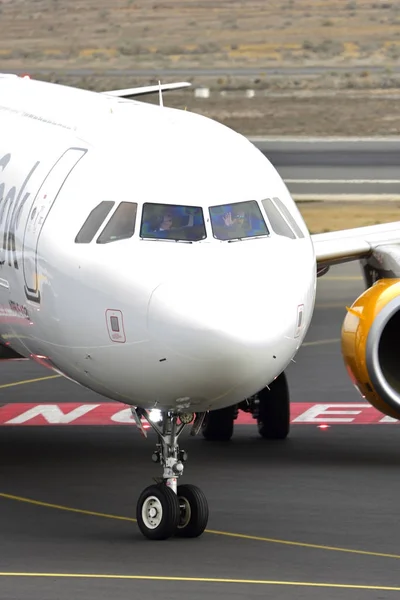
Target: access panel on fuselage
{"x":38,"y":213}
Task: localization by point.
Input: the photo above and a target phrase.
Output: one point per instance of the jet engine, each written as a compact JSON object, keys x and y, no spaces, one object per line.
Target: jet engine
{"x":371,"y":345}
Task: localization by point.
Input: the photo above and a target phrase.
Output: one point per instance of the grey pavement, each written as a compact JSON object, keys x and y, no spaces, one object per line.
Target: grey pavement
{"x":336,"y":167}
{"x":336,"y":489}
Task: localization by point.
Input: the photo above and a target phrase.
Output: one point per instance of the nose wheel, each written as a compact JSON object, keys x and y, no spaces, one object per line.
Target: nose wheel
{"x":157,"y":512}
{"x":193,"y":511}
{"x":166,"y":509}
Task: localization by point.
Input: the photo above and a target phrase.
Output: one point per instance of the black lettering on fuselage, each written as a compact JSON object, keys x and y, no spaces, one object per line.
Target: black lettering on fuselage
{"x":3,"y":163}
{"x":12,"y":203}
{"x":19,"y":308}
{"x":6,"y":208}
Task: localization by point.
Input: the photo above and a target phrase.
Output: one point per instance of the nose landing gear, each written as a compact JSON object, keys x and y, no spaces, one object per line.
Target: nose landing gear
{"x":166,"y":509}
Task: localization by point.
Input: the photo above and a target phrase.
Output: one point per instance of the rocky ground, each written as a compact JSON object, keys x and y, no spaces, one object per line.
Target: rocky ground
{"x":331,"y":216}
{"x":90,"y":37}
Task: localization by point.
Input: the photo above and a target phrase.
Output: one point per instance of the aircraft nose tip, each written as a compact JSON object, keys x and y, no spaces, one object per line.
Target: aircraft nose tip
{"x":179,"y":317}
{"x":207,"y":323}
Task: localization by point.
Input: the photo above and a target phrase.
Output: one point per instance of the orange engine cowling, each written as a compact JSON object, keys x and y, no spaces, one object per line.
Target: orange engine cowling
{"x":371,"y":345}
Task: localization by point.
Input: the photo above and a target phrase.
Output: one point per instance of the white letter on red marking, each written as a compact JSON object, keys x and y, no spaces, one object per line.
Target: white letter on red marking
{"x":388,"y":419}
{"x":320,"y":413}
{"x":52,"y":414}
{"x":123,"y":416}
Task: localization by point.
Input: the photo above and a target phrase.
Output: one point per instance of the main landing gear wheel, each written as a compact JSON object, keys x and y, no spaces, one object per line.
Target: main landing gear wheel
{"x":218,"y":424}
{"x":165,"y":509}
{"x":158,"y":512}
{"x":193,"y":511}
{"x":273,"y":416}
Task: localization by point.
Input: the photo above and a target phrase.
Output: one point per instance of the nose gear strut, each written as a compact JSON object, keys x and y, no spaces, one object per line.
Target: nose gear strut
{"x":166,"y":509}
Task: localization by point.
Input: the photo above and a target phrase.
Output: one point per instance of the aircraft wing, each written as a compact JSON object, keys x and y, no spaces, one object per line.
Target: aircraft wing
{"x":351,"y":244}
{"x":147,"y":89}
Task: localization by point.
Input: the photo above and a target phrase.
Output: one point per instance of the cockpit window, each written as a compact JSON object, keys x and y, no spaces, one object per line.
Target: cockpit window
{"x":289,"y":217}
{"x":238,"y":220}
{"x":93,"y":222}
{"x":172,"y":222}
{"x":121,"y":225}
{"x":278,"y":222}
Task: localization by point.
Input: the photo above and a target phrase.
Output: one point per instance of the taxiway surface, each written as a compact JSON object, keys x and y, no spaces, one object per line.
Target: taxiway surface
{"x":336,"y":166}
{"x":310,"y":517}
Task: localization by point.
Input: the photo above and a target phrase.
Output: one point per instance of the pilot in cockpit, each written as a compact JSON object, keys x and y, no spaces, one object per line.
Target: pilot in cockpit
{"x":237,"y":221}
{"x":166,"y":223}
{"x":172,"y":222}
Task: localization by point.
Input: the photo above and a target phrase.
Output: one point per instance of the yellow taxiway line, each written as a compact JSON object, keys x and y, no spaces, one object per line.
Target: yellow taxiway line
{"x":7,"y":385}
{"x":314,"y":584}
{"x":321,"y":342}
{"x":209,"y":531}
{"x":341,"y":278}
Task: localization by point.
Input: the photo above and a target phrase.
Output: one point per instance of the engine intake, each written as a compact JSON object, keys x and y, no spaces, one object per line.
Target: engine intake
{"x":370,"y":345}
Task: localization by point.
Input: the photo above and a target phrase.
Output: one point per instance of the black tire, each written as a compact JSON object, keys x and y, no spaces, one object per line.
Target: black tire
{"x":193,"y":511}
{"x":274,"y":410}
{"x":218,"y":424}
{"x":166,"y":506}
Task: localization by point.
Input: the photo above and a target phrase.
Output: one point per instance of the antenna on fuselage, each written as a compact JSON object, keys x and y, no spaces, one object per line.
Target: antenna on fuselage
{"x":160,"y":94}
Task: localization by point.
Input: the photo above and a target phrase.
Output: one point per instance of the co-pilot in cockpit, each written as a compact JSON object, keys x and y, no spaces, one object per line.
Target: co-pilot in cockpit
{"x":238,"y":220}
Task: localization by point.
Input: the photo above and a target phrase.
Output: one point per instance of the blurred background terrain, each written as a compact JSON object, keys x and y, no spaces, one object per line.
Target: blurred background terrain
{"x":296,"y":67}
{"x":263,"y":67}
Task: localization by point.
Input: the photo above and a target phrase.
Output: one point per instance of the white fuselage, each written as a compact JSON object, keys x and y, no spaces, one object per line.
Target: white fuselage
{"x":200,"y":325}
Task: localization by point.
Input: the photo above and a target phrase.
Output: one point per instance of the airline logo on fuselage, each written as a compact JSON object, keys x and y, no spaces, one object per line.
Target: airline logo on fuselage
{"x":12,"y":202}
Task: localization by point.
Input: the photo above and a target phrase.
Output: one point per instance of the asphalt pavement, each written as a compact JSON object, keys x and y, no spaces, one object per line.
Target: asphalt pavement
{"x":306,"y":518}
{"x":336,"y":167}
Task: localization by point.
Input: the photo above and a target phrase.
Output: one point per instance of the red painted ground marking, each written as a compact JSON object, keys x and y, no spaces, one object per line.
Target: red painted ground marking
{"x":110,"y":413}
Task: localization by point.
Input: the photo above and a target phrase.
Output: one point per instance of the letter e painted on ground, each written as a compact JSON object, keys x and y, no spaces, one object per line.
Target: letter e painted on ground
{"x":323,"y":413}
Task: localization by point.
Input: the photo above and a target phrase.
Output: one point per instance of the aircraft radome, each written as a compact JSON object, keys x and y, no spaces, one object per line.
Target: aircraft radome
{"x":156,"y":257}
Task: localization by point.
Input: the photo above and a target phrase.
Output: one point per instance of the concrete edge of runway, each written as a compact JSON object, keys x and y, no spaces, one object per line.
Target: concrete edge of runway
{"x":305,"y":147}
{"x":346,"y":197}
{"x":325,"y":139}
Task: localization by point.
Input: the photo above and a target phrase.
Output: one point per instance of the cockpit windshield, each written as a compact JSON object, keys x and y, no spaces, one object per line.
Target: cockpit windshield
{"x":238,"y":220}
{"x":172,"y":222}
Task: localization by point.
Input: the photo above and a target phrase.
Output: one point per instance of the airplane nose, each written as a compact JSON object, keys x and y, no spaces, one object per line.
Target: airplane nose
{"x":206,"y":323}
